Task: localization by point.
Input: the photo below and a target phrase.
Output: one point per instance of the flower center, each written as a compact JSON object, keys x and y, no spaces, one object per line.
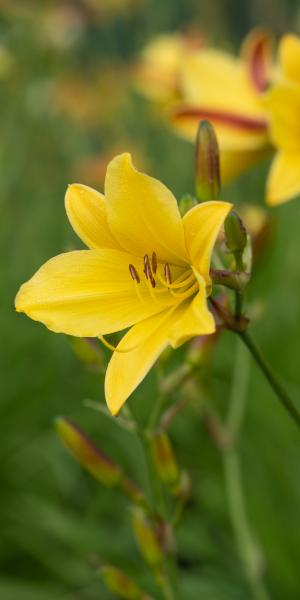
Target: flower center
{"x":160,"y":280}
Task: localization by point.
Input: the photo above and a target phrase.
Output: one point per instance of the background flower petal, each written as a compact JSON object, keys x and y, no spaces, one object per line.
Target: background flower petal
{"x":289,"y":56}
{"x":284,"y":178}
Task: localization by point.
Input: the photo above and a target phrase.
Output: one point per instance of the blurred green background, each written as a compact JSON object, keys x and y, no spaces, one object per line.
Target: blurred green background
{"x":66,"y":105}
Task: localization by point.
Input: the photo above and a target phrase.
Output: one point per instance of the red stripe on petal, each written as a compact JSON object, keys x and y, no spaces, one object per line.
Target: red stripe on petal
{"x":231,"y":119}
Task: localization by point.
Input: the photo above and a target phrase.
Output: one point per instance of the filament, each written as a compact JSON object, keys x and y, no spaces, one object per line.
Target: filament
{"x":115,"y":348}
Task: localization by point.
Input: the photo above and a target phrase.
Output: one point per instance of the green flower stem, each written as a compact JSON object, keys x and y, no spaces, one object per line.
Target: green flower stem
{"x":167,"y":578}
{"x":248,"y":550}
{"x":270,"y":376}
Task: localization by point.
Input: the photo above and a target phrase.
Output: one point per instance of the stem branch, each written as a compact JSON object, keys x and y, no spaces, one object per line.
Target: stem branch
{"x":270,"y":376}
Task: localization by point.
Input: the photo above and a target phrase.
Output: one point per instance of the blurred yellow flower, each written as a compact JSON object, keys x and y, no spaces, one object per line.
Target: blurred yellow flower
{"x":157,"y":73}
{"x":283,"y":105}
{"x":146,"y":269}
{"x":214,"y":85}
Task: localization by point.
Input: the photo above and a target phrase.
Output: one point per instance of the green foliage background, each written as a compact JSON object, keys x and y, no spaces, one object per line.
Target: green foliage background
{"x":55,"y":521}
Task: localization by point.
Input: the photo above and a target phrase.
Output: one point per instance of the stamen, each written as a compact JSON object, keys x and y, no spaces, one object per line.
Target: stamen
{"x":154,"y":262}
{"x":167,"y":273}
{"x":134,"y":274}
{"x":114,"y":348}
{"x":187,"y":293}
{"x":179,"y":282}
{"x":154,"y":295}
{"x":147,"y":271}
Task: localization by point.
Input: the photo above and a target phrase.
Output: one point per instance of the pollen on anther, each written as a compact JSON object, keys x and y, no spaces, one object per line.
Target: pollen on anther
{"x":167,"y":273}
{"x":154,"y":262}
{"x":134,"y":274}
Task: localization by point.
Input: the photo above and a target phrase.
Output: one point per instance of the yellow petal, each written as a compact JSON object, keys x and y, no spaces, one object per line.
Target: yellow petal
{"x":283,"y":102}
{"x":156,"y":74}
{"x":235,"y":131}
{"x":202,"y":225}
{"x":219,"y":81}
{"x":86,"y":210}
{"x":289,"y":56}
{"x":142,"y":213}
{"x":284,"y":178}
{"x":126,"y":370}
{"x":234,"y":163}
{"x":88,"y":293}
{"x":196,"y":320}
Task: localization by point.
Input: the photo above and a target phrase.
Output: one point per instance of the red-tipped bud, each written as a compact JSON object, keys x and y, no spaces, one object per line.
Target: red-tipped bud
{"x":207,"y":163}
{"x":121,"y":584}
{"x":146,"y":537}
{"x":164,"y":459}
{"x":87,"y":454}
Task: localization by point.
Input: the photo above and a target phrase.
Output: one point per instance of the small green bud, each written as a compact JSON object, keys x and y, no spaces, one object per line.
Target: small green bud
{"x":235,"y":280}
{"x":183,"y":489}
{"x":164,"y":459}
{"x":87,"y":454}
{"x":186,"y":203}
{"x":120,"y":584}
{"x":235,"y":233}
{"x":146,"y":537}
{"x":207,"y":163}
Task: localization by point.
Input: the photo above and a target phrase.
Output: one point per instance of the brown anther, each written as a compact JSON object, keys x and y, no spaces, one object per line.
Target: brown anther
{"x":167,"y":273}
{"x":148,"y":271}
{"x":134,"y":274}
{"x":154,"y":262}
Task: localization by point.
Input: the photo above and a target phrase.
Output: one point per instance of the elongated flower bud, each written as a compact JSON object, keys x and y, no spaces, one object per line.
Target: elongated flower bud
{"x":121,"y":584}
{"x":164,"y":459}
{"x":207,"y":163}
{"x":235,"y":232}
{"x":87,"y":454}
{"x":146,"y":537}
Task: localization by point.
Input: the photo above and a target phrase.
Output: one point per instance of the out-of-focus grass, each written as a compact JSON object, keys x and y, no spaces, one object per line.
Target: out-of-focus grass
{"x":65,"y":98}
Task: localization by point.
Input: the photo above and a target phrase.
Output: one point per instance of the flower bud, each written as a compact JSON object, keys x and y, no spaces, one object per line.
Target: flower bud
{"x":207,"y":163}
{"x":235,"y":233}
{"x":120,"y":584}
{"x":87,"y":454}
{"x":146,"y":537}
{"x":164,"y":459}
{"x":183,"y":489}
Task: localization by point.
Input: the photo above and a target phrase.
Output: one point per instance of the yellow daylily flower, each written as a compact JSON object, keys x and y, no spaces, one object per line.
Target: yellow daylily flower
{"x":227,"y":91}
{"x":205,"y":83}
{"x":283,"y":105}
{"x":157,"y":72}
{"x":146,"y":269}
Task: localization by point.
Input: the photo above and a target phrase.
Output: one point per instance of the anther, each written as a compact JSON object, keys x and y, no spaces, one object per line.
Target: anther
{"x":167,"y":273}
{"x":147,"y":271}
{"x":154,"y":262}
{"x":134,"y":274}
